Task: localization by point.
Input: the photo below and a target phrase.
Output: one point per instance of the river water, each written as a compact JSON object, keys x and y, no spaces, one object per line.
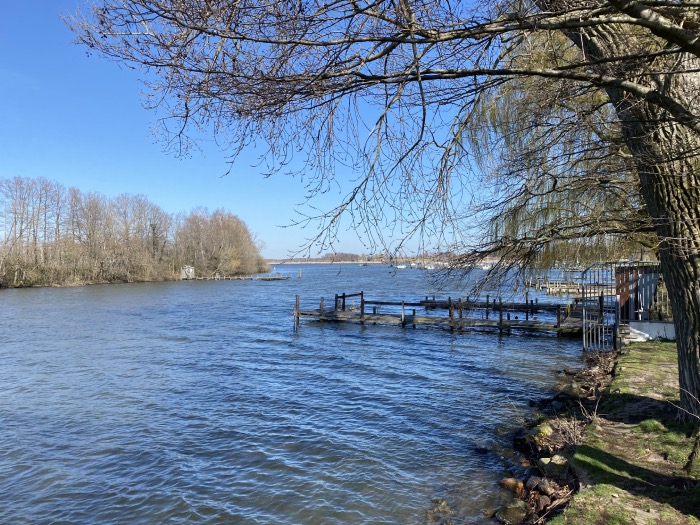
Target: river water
{"x":196,"y":402}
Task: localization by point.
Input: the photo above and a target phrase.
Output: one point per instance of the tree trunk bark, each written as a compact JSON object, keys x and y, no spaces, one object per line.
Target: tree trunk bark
{"x":667,"y":156}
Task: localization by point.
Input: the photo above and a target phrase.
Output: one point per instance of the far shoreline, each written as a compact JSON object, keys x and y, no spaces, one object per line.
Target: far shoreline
{"x":320,"y":261}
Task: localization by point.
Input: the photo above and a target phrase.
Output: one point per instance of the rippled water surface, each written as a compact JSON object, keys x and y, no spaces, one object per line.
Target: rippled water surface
{"x":196,"y":402}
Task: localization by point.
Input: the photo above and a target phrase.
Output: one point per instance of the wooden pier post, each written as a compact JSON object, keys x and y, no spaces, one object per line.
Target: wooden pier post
{"x":451,"y":313}
{"x":487,"y":306}
{"x":296,"y":314}
{"x":321,"y":308}
{"x":500,"y":315}
{"x":527,"y":313}
{"x":558,"y":316}
{"x":362,"y":307}
{"x":403,"y":316}
{"x":459,"y":306}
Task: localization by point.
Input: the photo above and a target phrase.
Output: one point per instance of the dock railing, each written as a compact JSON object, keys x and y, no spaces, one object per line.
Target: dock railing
{"x":461,"y":313}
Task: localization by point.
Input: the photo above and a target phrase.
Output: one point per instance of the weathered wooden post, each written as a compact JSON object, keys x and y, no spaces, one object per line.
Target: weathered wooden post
{"x":343,"y":301}
{"x":487,"y":306}
{"x":500,"y":315}
{"x":527,"y":298}
{"x":558,"y":318}
{"x":403,"y":316}
{"x":296,"y":314}
{"x":321,"y":308}
{"x":459,"y":306}
{"x":451,"y":313}
{"x":362,"y":307}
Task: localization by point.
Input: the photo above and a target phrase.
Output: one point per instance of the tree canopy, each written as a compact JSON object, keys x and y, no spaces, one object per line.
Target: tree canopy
{"x":392,"y":90}
{"x":385,"y":88}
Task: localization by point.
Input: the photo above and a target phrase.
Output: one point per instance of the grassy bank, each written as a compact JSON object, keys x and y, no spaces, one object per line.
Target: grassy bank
{"x":631,"y":460}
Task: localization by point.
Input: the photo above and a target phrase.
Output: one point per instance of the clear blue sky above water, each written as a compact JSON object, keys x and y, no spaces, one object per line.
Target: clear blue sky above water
{"x":78,"y":120}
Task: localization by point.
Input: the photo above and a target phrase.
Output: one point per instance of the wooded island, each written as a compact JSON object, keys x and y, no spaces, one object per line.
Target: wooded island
{"x":53,"y":235}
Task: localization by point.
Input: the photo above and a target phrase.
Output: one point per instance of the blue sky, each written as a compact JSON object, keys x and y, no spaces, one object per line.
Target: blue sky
{"x":79,"y":121}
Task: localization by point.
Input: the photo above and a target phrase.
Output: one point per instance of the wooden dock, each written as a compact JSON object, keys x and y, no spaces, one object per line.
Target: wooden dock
{"x":459,"y":315}
{"x":568,"y":287}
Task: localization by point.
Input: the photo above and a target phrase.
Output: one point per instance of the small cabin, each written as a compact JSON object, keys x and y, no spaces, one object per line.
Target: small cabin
{"x":187,"y":273}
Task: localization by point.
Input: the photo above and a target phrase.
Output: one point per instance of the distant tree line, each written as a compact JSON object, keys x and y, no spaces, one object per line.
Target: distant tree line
{"x":50,"y":234}
{"x":343,"y":256}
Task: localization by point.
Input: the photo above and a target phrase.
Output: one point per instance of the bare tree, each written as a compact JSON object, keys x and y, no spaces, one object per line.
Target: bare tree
{"x":52,"y":236}
{"x":389,"y":89}
{"x":218,"y":242}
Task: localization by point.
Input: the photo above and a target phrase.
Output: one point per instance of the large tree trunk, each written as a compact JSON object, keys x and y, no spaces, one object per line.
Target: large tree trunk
{"x":667,"y":156}
{"x":681,"y":274}
{"x":667,"y":161}
{"x":671,"y":190}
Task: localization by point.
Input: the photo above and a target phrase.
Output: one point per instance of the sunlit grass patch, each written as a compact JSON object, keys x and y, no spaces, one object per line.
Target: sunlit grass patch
{"x":632,"y":458}
{"x":651,"y":425}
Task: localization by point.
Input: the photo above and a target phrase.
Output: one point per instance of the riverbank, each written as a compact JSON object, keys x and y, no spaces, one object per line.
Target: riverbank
{"x":609,"y":447}
{"x":73,"y":283}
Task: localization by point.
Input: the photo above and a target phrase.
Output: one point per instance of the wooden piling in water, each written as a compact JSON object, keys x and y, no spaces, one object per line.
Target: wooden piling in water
{"x":500,"y":315}
{"x":296,"y":313}
{"x":527,"y":314}
{"x":451,"y":313}
{"x":362,"y":307}
{"x":558,"y":316}
{"x":460,"y":309}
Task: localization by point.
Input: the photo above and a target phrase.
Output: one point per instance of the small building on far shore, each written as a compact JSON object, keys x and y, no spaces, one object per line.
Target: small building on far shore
{"x":187,"y":273}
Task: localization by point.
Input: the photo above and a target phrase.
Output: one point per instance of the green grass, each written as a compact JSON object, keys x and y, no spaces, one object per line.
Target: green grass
{"x":632,"y":458}
{"x":651,"y":425}
{"x":600,"y":505}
